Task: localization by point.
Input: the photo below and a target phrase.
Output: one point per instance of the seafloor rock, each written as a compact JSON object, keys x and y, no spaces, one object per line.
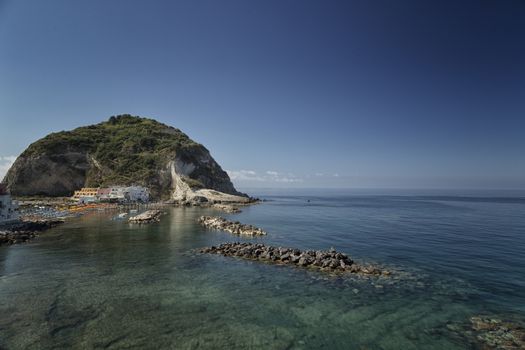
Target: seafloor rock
{"x":218,"y":223}
{"x":494,"y":333}
{"x":146,"y":217}
{"x":331,"y":260}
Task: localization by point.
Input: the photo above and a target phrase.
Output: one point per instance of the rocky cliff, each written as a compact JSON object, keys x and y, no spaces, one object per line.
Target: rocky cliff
{"x":124,"y":150}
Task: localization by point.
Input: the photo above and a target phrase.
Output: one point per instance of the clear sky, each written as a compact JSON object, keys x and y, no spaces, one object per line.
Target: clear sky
{"x":418,"y":94}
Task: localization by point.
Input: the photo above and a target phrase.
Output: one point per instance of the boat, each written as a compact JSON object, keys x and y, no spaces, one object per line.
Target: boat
{"x":122,"y":215}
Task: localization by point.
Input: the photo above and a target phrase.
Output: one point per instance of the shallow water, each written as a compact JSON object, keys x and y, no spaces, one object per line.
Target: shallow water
{"x":100,"y":283}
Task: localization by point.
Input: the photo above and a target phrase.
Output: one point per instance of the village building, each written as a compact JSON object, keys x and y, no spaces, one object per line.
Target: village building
{"x":103,"y":194}
{"x":120,"y":194}
{"x":86,"y":195}
{"x":110,"y":194}
{"x":117,"y":193}
{"x":136,"y":194}
{"x":126,"y":194}
{"x":8,"y":207}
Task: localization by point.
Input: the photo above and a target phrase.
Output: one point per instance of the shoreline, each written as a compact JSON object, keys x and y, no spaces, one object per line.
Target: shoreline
{"x":24,"y":230}
{"x":38,"y":214}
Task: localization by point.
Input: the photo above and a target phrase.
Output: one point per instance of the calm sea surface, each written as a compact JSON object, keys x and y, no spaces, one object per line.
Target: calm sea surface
{"x":95,"y":282}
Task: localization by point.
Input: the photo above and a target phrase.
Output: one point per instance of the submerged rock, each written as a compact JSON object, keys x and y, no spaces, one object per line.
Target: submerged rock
{"x":218,"y":223}
{"x":490,"y":332}
{"x":497,"y":334}
{"x":331,"y":261}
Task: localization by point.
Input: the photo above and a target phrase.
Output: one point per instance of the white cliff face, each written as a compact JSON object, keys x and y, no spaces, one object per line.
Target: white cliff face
{"x":183,"y":192}
{"x":216,"y":196}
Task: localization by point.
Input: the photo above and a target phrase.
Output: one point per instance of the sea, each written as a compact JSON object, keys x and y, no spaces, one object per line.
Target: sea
{"x":100,"y":282}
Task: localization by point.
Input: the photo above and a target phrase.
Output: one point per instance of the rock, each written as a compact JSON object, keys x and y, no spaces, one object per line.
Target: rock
{"x":24,"y":231}
{"x":355,"y":269}
{"x":199,"y":199}
{"x":218,"y":223}
{"x":146,"y":217}
{"x":494,"y":333}
{"x":230,"y":209}
{"x":292,"y":256}
{"x":318,"y":262}
{"x":302,"y":262}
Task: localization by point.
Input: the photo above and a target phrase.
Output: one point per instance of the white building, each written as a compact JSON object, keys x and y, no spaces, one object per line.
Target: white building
{"x":117,"y":193}
{"x":124,"y":194}
{"x":136,"y":194}
{"x":8,"y":207}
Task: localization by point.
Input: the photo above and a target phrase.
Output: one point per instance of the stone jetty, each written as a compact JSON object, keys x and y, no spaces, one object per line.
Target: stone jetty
{"x":146,"y":217}
{"x":23,"y":231}
{"x":218,"y":223}
{"x":230,"y":209}
{"x":329,"y":260}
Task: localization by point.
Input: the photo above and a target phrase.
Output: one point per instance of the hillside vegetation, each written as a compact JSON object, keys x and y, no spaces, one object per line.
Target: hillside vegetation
{"x":128,"y":149}
{"x":122,"y":150}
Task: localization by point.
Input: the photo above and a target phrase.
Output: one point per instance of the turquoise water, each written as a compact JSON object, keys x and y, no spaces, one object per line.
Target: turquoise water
{"x":100,"y":283}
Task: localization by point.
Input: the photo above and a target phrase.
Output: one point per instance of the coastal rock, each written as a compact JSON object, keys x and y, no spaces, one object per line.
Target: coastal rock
{"x":330,"y":261}
{"x":230,"y":209}
{"x":23,"y":231}
{"x":146,"y":217}
{"x":218,"y":223}
{"x":14,"y":237}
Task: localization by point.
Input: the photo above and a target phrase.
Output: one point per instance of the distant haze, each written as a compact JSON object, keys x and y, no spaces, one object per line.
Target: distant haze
{"x":397,"y":94}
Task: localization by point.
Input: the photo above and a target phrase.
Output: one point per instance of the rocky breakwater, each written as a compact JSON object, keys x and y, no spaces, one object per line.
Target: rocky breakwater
{"x":230,"y":209}
{"x":146,"y":217}
{"x":218,"y":223}
{"x":330,"y":260}
{"x":24,"y":231}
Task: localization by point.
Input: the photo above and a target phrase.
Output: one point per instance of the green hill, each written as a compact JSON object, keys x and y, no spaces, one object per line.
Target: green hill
{"x":124,"y":150}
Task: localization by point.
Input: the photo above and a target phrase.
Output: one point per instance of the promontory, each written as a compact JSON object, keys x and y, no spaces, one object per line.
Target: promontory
{"x":123,"y":150}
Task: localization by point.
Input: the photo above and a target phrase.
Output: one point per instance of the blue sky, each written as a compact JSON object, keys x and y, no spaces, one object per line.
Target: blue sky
{"x":415,"y":94}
